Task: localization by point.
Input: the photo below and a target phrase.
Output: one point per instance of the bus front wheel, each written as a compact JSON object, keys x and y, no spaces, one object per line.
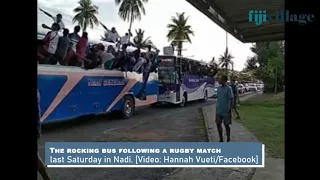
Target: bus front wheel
{"x":128,"y":107}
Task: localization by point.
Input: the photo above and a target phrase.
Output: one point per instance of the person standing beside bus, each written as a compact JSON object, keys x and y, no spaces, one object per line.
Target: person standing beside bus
{"x":41,"y":167}
{"x":236,"y":97}
{"x":223,"y":108}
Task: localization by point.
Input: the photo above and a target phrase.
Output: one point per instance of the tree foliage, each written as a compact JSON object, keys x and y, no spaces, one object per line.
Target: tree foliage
{"x":140,"y":41}
{"x":225,"y":61}
{"x":270,"y":57}
{"x":179,"y":31}
{"x":131,"y":10}
{"x":86,"y":14}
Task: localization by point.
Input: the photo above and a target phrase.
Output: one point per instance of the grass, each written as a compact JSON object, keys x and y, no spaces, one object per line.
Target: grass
{"x":264,"y":116}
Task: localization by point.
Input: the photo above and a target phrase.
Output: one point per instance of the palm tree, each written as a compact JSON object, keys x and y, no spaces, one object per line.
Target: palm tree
{"x":179,"y":31}
{"x":86,"y":14}
{"x":131,"y":10}
{"x":139,"y":40}
{"x":105,"y":34}
{"x":225,"y":61}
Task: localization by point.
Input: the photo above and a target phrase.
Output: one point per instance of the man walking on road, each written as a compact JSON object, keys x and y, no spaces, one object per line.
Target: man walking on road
{"x":223,"y":108}
{"x":236,"y":97}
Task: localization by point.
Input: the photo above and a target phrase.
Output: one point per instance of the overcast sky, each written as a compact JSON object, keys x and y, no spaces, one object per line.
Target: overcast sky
{"x":209,"y":39}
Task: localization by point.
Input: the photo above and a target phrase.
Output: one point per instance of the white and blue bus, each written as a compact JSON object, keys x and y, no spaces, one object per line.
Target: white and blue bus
{"x":68,"y":92}
{"x":179,"y":84}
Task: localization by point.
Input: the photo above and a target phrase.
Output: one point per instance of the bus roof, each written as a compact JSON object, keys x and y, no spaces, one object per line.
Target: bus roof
{"x":186,"y":58}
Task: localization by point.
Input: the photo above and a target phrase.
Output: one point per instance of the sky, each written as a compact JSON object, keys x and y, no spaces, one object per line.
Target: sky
{"x":209,"y":39}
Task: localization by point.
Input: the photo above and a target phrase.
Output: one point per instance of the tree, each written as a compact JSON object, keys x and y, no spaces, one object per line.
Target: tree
{"x":86,"y":14}
{"x":225,"y":61}
{"x":131,"y":10}
{"x":139,"y":40}
{"x":251,"y":63}
{"x":270,"y":57}
{"x":179,"y":31}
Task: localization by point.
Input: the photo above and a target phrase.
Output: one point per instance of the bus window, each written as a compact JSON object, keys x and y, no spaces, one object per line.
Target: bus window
{"x":166,"y":76}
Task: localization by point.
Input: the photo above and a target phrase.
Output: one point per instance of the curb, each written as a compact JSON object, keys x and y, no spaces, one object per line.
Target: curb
{"x":210,"y":136}
{"x":205,"y":119}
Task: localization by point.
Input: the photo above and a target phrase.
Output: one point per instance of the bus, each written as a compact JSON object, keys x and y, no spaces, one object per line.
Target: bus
{"x":68,"y":92}
{"x":182,"y":80}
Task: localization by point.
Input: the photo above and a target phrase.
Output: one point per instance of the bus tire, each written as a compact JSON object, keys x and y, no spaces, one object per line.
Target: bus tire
{"x":183,"y":100}
{"x":205,"y":96}
{"x":128,"y":107}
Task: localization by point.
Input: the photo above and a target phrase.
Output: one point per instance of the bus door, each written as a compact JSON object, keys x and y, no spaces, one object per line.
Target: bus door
{"x":178,"y":78}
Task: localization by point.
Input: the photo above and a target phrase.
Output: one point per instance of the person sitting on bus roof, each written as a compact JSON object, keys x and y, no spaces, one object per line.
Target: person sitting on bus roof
{"x":107,"y":58}
{"x":91,"y":61}
{"x":62,"y":48}
{"x":82,"y":44}
{"x":113,"y":35}
{"x":52,"y":39}
{"x":74,"y":37}
{"x":71,"y":58}
{"x":57,"y":19}
{"x":138,"y":67}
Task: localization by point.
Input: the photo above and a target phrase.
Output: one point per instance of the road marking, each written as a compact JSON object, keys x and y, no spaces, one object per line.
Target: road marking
{"x":109,"y":130}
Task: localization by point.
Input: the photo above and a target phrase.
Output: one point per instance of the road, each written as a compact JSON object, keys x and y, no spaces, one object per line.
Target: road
{"x":148,"y":124}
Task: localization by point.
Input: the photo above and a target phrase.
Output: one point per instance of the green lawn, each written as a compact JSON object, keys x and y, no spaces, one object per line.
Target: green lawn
{"x":264,"y":116}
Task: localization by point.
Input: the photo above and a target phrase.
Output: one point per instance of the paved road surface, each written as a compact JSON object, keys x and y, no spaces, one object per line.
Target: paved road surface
{"x":148,"y":124}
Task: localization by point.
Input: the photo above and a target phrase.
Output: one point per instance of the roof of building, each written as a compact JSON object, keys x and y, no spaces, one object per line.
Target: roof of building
{"x":232,"y":16}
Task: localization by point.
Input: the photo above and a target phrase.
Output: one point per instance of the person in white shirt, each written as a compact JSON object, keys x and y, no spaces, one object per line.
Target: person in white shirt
{"x":126,"y":38}
{"x":74,"y":37}
{"x":57,"y":19}
{"x":52,"y":38}
{"x":113,"y":35}
{"x":106,"y":56}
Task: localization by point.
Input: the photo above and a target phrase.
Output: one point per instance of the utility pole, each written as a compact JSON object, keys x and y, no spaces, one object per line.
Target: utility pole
{"x":226,"y":39}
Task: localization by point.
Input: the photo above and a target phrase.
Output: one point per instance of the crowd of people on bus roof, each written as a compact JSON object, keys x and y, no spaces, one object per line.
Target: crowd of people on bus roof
{"x":71,"y":49}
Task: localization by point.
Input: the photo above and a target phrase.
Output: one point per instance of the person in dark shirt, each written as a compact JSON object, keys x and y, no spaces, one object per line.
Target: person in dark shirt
{"x":62,"y":49}
{"x":236,"y":96}
{"x":41,"y":167}
{"x":92,"y":61}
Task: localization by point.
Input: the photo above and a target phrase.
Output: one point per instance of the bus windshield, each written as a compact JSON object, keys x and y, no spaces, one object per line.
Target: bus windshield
{"x":166,"y":75}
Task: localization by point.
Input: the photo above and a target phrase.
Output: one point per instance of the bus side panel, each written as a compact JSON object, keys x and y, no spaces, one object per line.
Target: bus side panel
{"x":193,"y":85}
{"x":196,"y":85}
{"x":97,"y":98}
{"x":75,"y":93}
{"x":91,"y":95}
{"x":49,"y":86}
{"x":210,"y":84}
